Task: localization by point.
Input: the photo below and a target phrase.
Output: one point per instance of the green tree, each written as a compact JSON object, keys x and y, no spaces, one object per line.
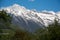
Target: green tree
{"x":52,"y":32}
{"x":5,"y":23}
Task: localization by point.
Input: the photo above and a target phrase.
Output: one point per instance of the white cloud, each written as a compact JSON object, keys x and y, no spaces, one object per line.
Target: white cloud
{"x":32,"y":0}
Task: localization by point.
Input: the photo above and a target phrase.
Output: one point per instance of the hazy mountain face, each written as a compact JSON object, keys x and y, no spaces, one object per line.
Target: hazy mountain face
{"x":30,"y":19}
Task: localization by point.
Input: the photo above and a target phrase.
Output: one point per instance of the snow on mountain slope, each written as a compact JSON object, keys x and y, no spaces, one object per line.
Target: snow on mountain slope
{"x":30,"y":19}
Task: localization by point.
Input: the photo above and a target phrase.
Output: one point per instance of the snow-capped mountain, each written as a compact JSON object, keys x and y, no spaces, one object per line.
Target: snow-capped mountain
{"x":30,"y":19}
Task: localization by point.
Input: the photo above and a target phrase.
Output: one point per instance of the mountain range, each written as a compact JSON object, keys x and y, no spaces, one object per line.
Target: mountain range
{"x":30,"y":19}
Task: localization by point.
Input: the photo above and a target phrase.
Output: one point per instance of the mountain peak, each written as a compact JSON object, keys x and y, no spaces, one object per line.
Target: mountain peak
{"x":16,"y":5}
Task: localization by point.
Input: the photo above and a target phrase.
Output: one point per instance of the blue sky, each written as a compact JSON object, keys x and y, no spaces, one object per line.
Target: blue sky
{"x":50,"y":5}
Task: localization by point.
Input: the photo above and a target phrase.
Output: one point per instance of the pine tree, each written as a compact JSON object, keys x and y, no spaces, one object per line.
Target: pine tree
{"x":52,"y":32}
{"x":5,"y":29}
